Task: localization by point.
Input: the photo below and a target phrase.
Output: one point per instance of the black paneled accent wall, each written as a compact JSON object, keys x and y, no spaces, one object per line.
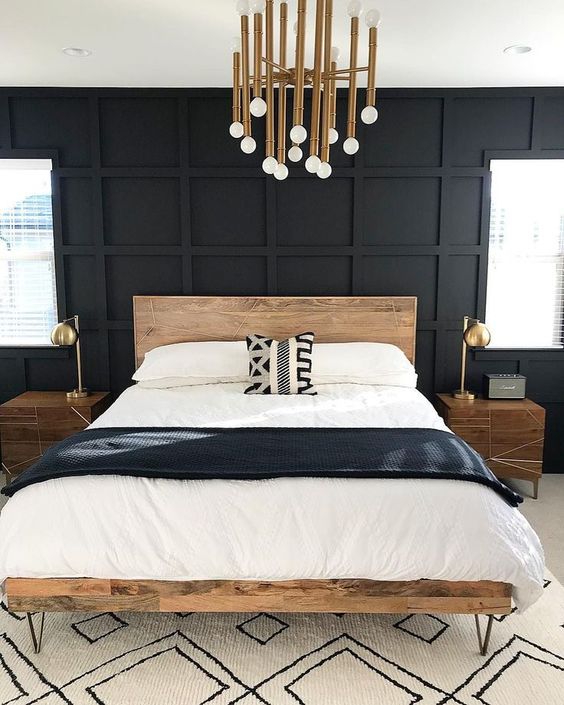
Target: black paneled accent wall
{"x":152,"y":196}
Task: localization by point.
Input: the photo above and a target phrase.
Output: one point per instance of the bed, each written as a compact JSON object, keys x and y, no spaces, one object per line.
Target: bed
{"x":288,"y":544}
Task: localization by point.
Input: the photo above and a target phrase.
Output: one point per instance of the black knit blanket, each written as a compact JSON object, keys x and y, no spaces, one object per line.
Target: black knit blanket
{"x":263,"y":453}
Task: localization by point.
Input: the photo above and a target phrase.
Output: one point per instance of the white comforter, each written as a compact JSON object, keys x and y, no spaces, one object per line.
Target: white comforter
{"x":125,"y":527}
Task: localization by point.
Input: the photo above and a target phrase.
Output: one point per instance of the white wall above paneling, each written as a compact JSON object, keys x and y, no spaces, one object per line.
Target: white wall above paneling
{"x":187,"y":42}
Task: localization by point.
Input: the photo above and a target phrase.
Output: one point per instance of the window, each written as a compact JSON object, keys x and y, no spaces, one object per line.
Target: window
{"x":525,"y":303}
{"x":28,"y":300}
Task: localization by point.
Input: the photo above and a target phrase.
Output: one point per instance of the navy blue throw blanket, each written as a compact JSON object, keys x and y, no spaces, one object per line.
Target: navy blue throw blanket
{"x":262,"y":453}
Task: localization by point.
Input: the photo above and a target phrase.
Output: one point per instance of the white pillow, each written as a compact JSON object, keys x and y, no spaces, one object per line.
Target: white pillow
{"x":362,"y":363}
{"x":183,"y":364}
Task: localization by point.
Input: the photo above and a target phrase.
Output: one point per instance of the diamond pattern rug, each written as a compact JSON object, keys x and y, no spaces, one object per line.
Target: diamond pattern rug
{"x":285,"y":659}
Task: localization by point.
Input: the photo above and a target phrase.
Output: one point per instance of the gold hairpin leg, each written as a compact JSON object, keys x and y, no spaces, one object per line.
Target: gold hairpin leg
{"x":36,"y":641}
{"x":486,"y":642}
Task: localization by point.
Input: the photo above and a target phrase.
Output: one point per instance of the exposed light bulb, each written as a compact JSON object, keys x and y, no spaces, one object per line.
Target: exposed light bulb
{"x":242,"y":7}
{"x":354,"y":8}
{"x":236,"y":129}
{"x":335,"y":53}
{"x":333,"y":135}
{"x":312,"y":163}
{"x":258,"y":107}
{"x":281,"y":172}
{"x":298,"y":134}
{"x":373,"y":18}
{"x":236,"y":45}
{"x":324,"y":170}
{"x":369,"y":115}
{"x":248,"y":145}
{"x":269,"y":165}
{"x":350,"y":145}
{"x":257,"y":6}
{"x":295,"y":153}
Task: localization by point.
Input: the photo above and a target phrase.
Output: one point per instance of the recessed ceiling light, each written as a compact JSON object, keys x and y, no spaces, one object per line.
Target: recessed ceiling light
{"x":517,"y":49}
{"x":76,"y":51}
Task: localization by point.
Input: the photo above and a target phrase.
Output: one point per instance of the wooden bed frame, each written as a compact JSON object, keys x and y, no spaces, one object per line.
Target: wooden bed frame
{"x":161,"y":320}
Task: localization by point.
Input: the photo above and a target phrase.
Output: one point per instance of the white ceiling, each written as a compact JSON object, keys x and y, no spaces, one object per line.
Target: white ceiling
{"x":187,"y":42}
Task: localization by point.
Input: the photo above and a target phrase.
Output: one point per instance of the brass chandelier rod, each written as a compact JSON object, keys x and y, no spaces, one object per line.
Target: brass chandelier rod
{"x":327,"y":83}
{"x":299,"y":84}
{"x":316,"y":93}
{"x":351,"y":110}
{"x":281,"y":153}
{"x":269,"y":78}
{"x":268,"y":61}
{"x":323,"y":78}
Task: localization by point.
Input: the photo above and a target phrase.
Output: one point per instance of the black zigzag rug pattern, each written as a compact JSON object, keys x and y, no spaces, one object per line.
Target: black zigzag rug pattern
{"x":285,"y":659}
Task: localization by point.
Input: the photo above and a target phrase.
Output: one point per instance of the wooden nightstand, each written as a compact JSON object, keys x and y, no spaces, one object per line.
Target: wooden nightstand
{"x":32,"y":422}
{"x":508,"y":433}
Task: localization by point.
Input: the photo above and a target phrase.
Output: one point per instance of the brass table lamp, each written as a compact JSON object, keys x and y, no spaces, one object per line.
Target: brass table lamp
{"x":474,"y":335}
{"x":66,"y":334}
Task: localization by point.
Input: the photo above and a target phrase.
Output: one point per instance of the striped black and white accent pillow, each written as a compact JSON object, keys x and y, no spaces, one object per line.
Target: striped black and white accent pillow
{"x":280,"y":367}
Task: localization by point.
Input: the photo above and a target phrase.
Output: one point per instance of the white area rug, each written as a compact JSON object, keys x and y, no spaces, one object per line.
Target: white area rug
{"x":192,"y":659}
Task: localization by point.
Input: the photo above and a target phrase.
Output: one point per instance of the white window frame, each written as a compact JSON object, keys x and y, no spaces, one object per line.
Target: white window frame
{"x":20,"y":161}
{"x":510,"y":156}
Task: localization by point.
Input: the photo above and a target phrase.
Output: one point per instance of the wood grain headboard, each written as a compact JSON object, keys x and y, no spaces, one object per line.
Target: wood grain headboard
{"x":162,"y":320}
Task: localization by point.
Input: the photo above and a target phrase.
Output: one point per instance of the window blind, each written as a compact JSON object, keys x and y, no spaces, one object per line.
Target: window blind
{"x":525,"y":284}
{"x":28,"y":301}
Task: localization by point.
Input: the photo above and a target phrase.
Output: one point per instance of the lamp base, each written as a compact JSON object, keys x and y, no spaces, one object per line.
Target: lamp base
{"x":78,"y":394}
{"x":464,"y":394}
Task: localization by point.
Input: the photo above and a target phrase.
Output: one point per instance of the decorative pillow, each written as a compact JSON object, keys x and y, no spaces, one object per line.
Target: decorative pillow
{"x":280,"y":367}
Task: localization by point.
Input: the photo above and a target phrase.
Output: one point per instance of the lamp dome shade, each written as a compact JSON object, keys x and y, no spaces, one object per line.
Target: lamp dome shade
{"x":477,"y":335}
{"x":64,"y":334}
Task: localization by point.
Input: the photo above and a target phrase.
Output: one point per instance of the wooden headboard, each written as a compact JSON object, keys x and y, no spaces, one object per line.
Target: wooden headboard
{"x":162,"y":320}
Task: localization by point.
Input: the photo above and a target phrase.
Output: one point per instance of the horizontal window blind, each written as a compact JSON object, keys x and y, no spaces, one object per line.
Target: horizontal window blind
{"x":28,"y":301}
{"x":525,"y":286}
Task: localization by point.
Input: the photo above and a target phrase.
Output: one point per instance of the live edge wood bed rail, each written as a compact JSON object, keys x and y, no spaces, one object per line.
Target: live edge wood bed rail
{"x":162,"y":320}
{"x":369,"y":596}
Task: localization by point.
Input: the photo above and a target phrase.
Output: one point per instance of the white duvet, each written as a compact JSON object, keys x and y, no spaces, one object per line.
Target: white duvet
{"x":384,"y":529}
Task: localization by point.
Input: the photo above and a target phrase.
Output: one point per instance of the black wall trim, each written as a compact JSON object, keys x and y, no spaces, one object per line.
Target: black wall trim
{"x":152,"y":196}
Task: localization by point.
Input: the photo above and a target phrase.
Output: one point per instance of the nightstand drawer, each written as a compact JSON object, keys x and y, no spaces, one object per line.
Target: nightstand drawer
{"x":531,"y":451}
{"x":472,"y":434}
{"x":16,"y":433}
{"x":58,"y":424}
{"x":471,"y":412}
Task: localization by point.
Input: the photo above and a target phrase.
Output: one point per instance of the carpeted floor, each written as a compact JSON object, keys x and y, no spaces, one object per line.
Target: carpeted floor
{"x":192,"y":659}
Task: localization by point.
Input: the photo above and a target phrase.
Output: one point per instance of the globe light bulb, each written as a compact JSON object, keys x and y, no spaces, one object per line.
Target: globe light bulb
{"x":312,"y":163}
{"x":236,"y":129}
{"x":324,"y":170}
{"x":257,"y":6}
{"x":258,"y":107}
{"x":335,"y":53}
{"x":373,"y":18}
{"x":295,"y":153}
{"x":281,"y":172}
{"x":248,"y":145}
{"x":350,"y":145}
{"x":236,"y":45}
{"x":298,"y":134}
{"x":269,"y":165}
{"x":333,"y":135}
{"x":369,"y":115}
{"x":354,"y":8}
{"x":242,"y":7}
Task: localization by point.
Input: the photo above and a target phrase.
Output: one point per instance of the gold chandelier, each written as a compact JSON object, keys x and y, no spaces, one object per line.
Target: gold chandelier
{"x":322,"y":77}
